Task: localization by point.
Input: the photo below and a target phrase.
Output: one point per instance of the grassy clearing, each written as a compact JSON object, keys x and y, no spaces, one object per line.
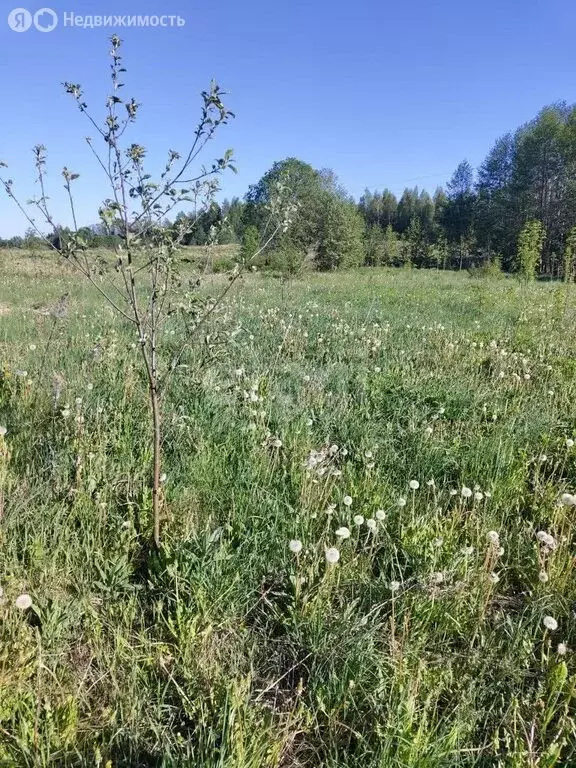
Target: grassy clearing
{"x":425,"y":645}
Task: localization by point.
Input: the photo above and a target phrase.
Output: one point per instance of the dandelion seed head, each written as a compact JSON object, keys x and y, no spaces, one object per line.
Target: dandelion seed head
{"x":550,"y":623}
{"x":371,"y":524}
{"x":569,"y":443}
{"x":414,"y":485}
{"x":543,"y":577}
{"x":493,"y":537}
{"x":332,"y":555}
{"x":23,"y":602}
{"x":347,"y":501}
{"x":466,"y":493}
{"x":494,"y":578}
{"x":568,"y":500}
{"x":402,"y":502}
{"x":3,"y":431}
{"x":467,"y":551}
{"x":562,"y":649}
{"x":295,"y":546}
{"x":380,"y":515}
{"x":358,"y":520}
{"x":546,"y":539}
{"x":394,"y":586}
{"x":343,"y":532}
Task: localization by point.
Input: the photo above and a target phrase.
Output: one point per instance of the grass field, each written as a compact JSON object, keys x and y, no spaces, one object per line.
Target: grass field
{"x":416,"y":426}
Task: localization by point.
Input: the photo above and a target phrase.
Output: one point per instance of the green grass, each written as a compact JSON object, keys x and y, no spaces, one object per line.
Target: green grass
{"x":226,"y":649}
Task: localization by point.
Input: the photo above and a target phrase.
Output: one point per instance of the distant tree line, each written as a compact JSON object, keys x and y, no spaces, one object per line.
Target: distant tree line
{"x":522,"y":199}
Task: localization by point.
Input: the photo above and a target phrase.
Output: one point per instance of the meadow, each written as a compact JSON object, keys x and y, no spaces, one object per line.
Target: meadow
{"x":369,"y":543}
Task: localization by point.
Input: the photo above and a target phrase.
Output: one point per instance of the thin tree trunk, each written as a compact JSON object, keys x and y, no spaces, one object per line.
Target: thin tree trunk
{"x":157,"y":429}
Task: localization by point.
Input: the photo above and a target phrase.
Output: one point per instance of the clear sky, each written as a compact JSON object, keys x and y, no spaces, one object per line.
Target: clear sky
{"x":387,"y":93}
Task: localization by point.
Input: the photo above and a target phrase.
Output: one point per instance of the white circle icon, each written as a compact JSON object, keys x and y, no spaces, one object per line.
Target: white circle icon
{"x":20,"y":20}
{"x":45,"y":20}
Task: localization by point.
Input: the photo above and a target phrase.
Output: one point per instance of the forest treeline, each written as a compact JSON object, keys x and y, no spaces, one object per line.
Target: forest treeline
{"x":522,"y":196}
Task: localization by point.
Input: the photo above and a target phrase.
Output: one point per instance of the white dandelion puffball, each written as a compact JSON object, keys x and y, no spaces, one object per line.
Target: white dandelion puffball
{"x":347,"y":501}
{"x":3,"y":431}
{"x":402,"y":502}
{"x":546,"y":539}
{"x":380,"y":515}
{"x":466,"y":492}
{"x":295,"y":546}
{"x":414,"y":485}
{"x":543,"y":576}
{"x":358,"y":520}
{"x":394,"y":586}
{"x":493,"y":537}
{"x":494,"y":578}
{"x":467,"y":551}
{"x":438,"y":578}
{"x":478,"y":496}
{"x":332,"y":556}
{"x":371,"y":524}
{"x":550,"y":623}
{"x":23,"y":602}
{"x":343,"y":532}
{"x":568,"y":500}
{"x":569,"y":443}
{"x":562,"y":649}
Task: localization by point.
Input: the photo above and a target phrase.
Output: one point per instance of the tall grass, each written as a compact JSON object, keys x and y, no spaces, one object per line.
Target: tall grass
{"x":308,"y":405}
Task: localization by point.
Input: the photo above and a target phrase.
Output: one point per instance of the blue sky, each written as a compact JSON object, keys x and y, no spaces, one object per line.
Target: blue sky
{"x":385,"y":93}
